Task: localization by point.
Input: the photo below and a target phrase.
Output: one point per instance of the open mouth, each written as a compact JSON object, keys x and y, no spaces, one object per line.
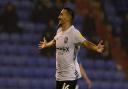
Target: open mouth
{"x":59,"y":23}
{"x":59,"y":20}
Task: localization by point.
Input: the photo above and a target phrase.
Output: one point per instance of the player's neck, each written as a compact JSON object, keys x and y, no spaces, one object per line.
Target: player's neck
{"x":65,"y":26}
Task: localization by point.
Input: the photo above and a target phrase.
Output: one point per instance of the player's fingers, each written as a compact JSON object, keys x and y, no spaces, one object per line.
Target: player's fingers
{"x":41,"y":42}
{"x":90,"y":86}
{"x":101,"y":42}
{"x":40,"y":46}
{"x":44,"y":39}
{"x":100,"y":45}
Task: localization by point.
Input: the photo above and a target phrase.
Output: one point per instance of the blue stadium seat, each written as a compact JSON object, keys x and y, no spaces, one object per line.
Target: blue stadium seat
{"x":99,"y":64}
{"x":28,"y":50}
{"x":4,"y":72}
{"x":120,"y":76}
{"x":23,"y":49}
{"x":43,"y":84}
{"x":4,"y":48}
{"x":37,"y":38}
{"x":3,"y":83}
{"x":117,"y":85}
{"x":24,"y":83}
{"x":96,"y":85}
{"x":46,"y":73}
{"x":6,"y":60}
{"x":99,"y":74}
{"x":37,"y":84}
{"x":39,"y":28}
{"x":16,"y":72}
{"x":111,"y":65}
{"x":52,"y":63}
{"x":23,"y":15}
{"x":4,"y":38}
{"x":125,"y":85}
{"x":21,"y":60}
{"x":109,"y":75}
{"x":48,"y":84}
{"x":43,"y":61}
{"x":12,"y":83}
{"x":15,"y":38}
{"x":12,"y":49}
{"x":82,"y":84}
{"x":23,"y":5}
{"x":28,"y":72}
{"x":26,"y":38}
{"x":88,"y":63}
{"x":106,"y":85}
{"x":27,"y":26}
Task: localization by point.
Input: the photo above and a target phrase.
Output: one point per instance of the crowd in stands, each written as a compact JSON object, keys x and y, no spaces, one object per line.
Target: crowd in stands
{"x":91,"y":11}
{"x":9,"y":19}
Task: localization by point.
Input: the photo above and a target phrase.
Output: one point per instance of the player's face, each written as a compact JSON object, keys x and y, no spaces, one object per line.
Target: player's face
{"x":63,"y":17}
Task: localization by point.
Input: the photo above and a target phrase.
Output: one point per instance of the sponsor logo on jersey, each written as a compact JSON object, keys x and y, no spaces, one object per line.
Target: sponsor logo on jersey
{"x":64,"y":49}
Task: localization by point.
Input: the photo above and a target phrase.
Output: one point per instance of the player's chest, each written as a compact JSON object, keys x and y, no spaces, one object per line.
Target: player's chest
{"x":64,"y":39}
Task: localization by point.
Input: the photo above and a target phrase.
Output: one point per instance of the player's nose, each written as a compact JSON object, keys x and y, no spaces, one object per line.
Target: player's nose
{"x":59,"y":17}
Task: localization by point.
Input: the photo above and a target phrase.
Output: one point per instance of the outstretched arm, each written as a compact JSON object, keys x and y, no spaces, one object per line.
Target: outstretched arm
{"x":98,"y":48}
{"x":80,"y":39}
{"x":45,"y":44}
{"x":84,"y":75}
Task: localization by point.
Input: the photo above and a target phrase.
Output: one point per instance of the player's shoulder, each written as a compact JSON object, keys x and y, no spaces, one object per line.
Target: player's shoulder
{"x":73,"y":28}
{"x":59,"y":30}
{"x":76,"y":31}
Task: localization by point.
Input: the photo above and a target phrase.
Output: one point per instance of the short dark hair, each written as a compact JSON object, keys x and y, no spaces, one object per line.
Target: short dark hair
{"x":71,"y":12}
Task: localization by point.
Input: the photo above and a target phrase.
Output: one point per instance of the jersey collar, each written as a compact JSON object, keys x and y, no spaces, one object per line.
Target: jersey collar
{"x":71,"y":27}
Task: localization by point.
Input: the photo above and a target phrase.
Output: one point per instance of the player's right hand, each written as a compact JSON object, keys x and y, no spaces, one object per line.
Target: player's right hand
{"x":42,"y":44}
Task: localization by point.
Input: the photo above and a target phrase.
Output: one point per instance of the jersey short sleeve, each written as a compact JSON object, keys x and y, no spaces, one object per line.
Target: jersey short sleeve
{"x":78,"y":37}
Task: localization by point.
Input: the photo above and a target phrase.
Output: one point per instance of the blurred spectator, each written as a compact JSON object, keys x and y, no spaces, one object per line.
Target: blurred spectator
{"x":89,"y":31}
{"x":82,"y":6}
{"x":41,"y":11}
{"x":120,"y":6}
{"x":70,"y":4}
{"x":124,"y":33}
{"x":49,"y":34}
{"x":55,"y":11}
{"x":9,"y":19}
{"x":49,"y":31}
{"x":89,"y":25}
{"x":107,"y":51}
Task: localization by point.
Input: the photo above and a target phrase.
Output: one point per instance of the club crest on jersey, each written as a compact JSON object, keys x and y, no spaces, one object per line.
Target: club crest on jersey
{"x":65,"y":40}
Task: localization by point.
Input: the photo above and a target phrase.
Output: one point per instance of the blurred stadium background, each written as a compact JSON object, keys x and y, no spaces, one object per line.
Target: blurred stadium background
{"x":23,"y":23}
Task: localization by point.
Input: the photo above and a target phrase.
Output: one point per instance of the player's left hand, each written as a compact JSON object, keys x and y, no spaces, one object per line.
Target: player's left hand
{"x":89,"y":83}
{"x":100,"y":47}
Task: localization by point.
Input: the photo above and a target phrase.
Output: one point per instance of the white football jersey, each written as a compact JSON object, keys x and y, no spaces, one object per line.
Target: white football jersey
{"x":67,"y":46}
